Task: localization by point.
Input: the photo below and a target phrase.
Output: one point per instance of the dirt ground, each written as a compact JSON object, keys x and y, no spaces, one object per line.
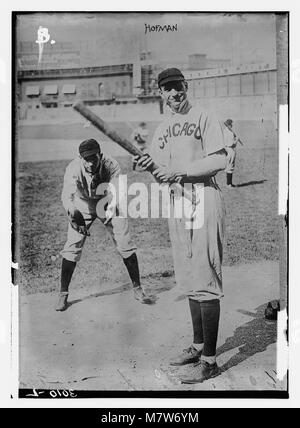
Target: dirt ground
{"x":108,"y":341}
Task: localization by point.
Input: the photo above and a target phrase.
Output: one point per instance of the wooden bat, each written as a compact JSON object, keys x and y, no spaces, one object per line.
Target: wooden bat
{"x":113,"y":135}
{"x":107,"y":130}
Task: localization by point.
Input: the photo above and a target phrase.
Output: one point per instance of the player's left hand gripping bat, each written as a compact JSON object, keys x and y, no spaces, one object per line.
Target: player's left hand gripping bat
{"x":113,"y":135}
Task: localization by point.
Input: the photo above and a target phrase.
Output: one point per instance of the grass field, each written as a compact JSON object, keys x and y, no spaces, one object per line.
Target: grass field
{"x":252,"y":225}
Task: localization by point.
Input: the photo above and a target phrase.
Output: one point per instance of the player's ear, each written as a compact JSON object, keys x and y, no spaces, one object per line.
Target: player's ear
{"x":185,"y":83}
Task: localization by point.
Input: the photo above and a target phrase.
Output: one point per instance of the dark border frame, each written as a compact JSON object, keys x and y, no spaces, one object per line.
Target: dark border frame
{"x":45,"y":393}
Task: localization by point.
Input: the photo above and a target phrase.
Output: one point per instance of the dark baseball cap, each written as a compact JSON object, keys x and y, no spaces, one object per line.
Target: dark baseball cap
{"x":89,"y":147}
{"x":169,"y":75}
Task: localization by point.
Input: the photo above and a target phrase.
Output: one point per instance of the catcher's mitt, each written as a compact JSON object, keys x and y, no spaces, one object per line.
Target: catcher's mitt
{"x":77,"y":222}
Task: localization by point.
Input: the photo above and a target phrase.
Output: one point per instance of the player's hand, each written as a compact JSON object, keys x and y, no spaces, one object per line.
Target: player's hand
{"x":144,"y":162}
{"x":77,"y":221}
{"x":167,"y":175}
{"x":110,"y":212}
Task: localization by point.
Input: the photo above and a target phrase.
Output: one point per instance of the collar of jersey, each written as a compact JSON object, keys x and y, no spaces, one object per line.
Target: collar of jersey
{"x":184,"y":107}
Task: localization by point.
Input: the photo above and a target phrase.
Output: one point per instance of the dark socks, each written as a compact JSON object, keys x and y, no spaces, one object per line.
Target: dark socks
{"x":210,"y":313}
{"x":229,"y":178}
{"x":196,"y":320}
{"x":132,"y":266}
{"x":67,"y":269}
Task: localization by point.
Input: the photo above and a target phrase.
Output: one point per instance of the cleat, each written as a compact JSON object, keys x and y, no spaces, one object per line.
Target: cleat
{"x":62,"y":303}
{"x":200,"y":372}
{"x":188,"y":356}
{"x":141,"y":296}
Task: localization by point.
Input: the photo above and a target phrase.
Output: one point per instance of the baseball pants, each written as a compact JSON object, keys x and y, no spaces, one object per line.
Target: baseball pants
{"x":197,"y":253}
{"x":117,"y":227}
{"x":230,"y":160}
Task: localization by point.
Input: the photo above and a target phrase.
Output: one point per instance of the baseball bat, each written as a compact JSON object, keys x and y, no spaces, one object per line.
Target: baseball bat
{"x":113,"y":135}
{"x":107,"y":130}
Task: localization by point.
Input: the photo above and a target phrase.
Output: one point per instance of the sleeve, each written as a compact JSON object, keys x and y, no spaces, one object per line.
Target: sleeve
{"x":112,"y":167}
{"x":69,"y":187}
{"x":211,"y":133}
{"x":229,"y":138}
{"x":159,"y":149}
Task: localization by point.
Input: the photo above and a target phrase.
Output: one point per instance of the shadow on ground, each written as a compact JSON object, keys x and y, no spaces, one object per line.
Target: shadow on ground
{"x":250,"y":183}
{"x":110,"y":292}
{"x":253,"y":337}
{"x":154,"y":289}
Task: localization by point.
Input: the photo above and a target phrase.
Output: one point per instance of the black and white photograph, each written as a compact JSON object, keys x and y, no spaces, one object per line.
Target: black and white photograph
{"x":148,"y":232}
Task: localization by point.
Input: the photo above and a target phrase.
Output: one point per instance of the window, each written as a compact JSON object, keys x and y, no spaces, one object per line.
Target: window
{"x":50,"y":90}
{"x":32,"y":91}
{"x":69,"y":89}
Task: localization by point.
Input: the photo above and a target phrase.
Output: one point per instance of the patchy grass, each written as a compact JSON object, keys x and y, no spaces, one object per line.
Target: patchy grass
{"x":252,"y":225}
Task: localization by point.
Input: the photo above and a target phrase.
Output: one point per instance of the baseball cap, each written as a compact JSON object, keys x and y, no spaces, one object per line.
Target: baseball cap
{"x":229,"y":122}
{"x":169,"y":75}
{"x":89,"y":147}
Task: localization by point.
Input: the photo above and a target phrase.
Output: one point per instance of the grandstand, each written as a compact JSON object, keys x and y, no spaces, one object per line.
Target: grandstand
{"x":126,"y":93}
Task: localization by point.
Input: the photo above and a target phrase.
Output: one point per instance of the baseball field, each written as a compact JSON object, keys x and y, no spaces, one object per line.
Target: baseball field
{"x":108,"y":341}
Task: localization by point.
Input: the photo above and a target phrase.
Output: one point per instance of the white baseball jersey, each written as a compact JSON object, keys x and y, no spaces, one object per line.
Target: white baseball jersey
{"x":80,"y":190}
{"x":79,"y":185}
{"x":184,"y":138}
{"x":230,"y":141}
{"x":178,"y":141}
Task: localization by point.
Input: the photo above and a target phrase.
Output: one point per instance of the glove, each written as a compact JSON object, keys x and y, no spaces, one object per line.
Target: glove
{"x":77,"y":222}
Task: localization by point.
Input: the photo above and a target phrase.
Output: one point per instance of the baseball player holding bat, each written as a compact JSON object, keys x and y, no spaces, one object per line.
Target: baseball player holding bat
{"x":230,"y":139}
{"x":189,"y":147}
{"x":80,"y":198}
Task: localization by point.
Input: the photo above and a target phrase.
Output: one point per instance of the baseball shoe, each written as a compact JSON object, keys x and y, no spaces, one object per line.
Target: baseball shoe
{"x":141,"y":296}
{"x":187,"y":356}
{"x":200,"y":372}
{"x":230,"y":186}
{"x":62,"y":303}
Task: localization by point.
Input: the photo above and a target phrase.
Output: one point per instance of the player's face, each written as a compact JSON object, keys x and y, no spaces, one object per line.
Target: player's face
{"x":91,"y":162}
{"x":174,"y":93}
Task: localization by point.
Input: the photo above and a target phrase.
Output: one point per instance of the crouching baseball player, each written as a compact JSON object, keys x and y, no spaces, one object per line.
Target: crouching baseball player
{"x":79,"y":197}
{"x":189,"y":147}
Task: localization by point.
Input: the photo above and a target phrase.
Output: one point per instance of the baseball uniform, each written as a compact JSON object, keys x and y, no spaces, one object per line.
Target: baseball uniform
{"x":230,"y":142}
{"x":80,"y":190}
{"x":178,"y":141}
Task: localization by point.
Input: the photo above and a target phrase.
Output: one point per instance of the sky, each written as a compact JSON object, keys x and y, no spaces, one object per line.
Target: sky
{"x":242,"y":38}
